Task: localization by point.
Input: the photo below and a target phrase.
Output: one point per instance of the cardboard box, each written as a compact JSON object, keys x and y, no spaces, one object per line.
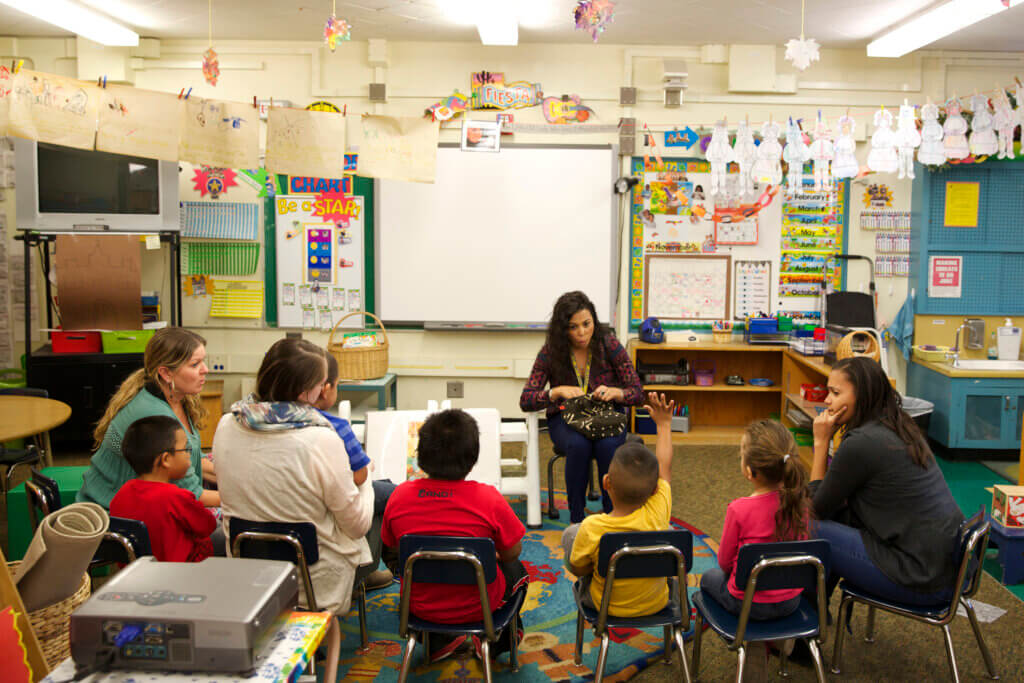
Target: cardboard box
{"x":1008,"y":505}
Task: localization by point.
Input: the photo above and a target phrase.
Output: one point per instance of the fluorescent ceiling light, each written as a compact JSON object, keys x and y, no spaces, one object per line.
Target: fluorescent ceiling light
{"x":496,"y":21}
{"x":935,"y":24}
{"x":82,"y":21}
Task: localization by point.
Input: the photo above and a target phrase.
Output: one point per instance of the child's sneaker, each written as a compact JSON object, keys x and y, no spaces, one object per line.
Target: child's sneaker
{"x":449,"y":649}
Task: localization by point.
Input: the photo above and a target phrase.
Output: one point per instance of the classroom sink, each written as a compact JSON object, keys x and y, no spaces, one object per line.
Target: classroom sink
{"x":966,"y":364}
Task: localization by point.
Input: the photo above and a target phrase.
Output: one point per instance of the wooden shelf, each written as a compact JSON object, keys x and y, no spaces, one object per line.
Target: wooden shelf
{"x":705,"y":435}
{"x":713,"y":387}
{"x":807,"y":407}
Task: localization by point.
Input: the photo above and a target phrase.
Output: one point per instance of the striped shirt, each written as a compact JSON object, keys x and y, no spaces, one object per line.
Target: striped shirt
{"x":357,"y":457}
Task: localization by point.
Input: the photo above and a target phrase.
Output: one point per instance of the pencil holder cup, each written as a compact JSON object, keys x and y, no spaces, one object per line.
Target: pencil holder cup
{"x":681,"y":423}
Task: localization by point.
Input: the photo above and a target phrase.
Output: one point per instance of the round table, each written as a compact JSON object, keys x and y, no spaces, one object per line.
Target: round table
{"x":23,"y":416}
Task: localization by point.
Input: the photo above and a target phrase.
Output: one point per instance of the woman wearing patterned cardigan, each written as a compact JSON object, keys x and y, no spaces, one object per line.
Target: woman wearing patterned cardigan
{"x":580,"y":356}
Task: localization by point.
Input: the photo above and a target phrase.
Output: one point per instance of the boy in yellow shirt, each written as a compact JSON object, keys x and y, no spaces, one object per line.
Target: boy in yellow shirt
{"x":638,"y":484}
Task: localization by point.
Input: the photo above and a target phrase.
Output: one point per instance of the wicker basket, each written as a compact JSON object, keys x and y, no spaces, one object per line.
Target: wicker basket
{"x":361,"y":362}
{"x":721,"y":336}
{"x":52,"y":624}
{"x":858,"y":343}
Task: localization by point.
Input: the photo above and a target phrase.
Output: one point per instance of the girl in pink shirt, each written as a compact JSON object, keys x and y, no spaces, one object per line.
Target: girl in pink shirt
{"x":777,"y":510}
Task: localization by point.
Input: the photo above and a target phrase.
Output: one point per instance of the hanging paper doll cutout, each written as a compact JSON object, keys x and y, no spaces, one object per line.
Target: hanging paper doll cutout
{"x":983,"y":136}
{"x":907,"y":140}
{"x":845,"y":163}
{"x":744,"y":152}
{"x":955,"y":130}
{"x":795,"y":154}
{"x":719,"y":154}
{"x":822,"y":153}
{"x":1004,"y":121}
{"x":768,"y":164}
{"x":932,"y":151}
{"x":882,"y":157}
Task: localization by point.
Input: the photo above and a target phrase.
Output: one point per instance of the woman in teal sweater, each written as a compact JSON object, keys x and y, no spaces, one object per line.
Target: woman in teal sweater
{"x":169,"y":383}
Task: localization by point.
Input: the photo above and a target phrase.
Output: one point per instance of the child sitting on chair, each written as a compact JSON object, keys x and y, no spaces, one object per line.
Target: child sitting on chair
{"x":777,"y":510}
{"x":638,"y":484}
{"x":445,"y":504}
{"x":179,"y":525}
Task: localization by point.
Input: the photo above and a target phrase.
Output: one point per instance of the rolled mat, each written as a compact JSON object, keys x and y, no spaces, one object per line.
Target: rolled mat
{"x":59,"y":554}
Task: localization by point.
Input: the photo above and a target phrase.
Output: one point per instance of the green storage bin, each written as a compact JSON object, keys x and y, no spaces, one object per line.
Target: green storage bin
{"x":126,"y":341}
{"x":12,"y":378}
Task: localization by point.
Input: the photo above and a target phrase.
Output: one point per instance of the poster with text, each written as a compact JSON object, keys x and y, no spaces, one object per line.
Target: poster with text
{"x":139,"y":122}
{"x":219,"y":134}
{"x":945,"y":275}
{"x":53,"y":109}
{"x":399,"y":148}
{"x":305,"y":143}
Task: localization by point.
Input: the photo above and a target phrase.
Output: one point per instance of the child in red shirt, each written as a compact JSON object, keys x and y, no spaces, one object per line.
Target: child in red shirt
{"x":778,"y":510}
{"x":179,"y":525}
{"x":445,"y":504}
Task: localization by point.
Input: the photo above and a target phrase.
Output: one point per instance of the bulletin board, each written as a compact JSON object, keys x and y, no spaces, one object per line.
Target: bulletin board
{"x":686,"y":287}
{"x":661,"y":226}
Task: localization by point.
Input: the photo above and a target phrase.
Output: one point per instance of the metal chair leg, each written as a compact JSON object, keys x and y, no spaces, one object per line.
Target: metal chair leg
{"x":410,"y":645}
{"x":985,"y":654}
{"x":485,"y":652}
{"x":819,"y":667}
{"x":602,"y":658}
{"x":869,"y":634}
{"x":363,"y":635}
{"x":513,"y":645}
{"x":950,"y":654}
{"x":426,"y":645}
{"x":678,"y":635}
{"x":578,"y":652}
{"x":837,"y":650}
{"x":594,"y":492}
{"x":668,"y":643}
{"x":783,"y":659}
{"x":741,"y":661}
{"x":552,"y":512}
{"x":698,"y":633}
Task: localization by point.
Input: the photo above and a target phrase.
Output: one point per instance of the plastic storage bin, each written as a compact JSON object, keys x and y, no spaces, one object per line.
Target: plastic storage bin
{"x":76,"y":342}
{"x":126,"y":341}
{"x":703,"y":373}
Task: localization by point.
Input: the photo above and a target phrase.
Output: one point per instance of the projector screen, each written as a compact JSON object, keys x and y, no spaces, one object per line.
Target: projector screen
{"x":498,"y":236}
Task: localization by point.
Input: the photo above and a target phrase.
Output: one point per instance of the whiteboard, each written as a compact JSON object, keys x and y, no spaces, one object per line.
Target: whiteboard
{"x":498,"y":237}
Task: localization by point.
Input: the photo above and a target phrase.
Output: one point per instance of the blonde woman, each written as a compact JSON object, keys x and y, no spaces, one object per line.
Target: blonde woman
{"x":173,"y":373}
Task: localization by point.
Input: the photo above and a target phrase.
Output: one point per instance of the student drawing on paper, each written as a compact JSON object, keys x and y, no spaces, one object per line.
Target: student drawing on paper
{"x":412,"y":466}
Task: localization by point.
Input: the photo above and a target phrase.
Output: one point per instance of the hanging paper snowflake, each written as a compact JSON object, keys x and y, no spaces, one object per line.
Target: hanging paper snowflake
{"x":336,"y":30}
{"x":593,"y":15}
{"x":801,"y":52}
{"x":211,"y":66}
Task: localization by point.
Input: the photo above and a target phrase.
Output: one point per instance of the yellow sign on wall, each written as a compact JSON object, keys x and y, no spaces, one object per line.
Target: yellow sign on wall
{"x":962,"y":200}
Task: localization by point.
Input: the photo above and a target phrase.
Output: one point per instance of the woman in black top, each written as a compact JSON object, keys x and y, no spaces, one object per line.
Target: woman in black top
{"x":883,"y":502}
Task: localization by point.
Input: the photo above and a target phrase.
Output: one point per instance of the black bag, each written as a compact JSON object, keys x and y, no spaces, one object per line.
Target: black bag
{"x":593,"y":418}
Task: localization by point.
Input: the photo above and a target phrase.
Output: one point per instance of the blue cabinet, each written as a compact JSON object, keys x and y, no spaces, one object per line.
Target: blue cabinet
{"x":970,"y":412}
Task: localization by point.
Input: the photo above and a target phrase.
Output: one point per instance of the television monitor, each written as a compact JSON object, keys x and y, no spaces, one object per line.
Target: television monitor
{"x":62,"y":189}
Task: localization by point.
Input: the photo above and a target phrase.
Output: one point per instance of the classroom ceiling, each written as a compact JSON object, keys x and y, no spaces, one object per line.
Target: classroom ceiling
{"x":834,"y":23}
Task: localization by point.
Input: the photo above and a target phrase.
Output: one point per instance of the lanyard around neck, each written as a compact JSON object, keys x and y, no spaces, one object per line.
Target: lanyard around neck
{"x":584,"y":379}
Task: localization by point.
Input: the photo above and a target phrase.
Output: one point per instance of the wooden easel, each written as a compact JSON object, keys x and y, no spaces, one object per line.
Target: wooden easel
{"x":9,"y":596}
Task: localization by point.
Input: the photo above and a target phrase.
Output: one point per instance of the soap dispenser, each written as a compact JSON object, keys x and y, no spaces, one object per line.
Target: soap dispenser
{"x":1009,"y":341}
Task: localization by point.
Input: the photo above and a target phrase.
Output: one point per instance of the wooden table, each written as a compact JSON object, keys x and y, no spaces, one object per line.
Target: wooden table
{"x":23,"y":416}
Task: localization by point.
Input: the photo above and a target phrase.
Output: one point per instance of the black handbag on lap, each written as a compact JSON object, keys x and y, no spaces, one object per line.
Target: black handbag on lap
{"x":592,"y":418}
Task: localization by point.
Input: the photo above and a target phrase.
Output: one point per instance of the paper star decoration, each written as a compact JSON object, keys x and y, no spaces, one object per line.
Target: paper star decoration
{"x":802,"y":51}
{"x":593,"y":16}
{"x":336,"y":30}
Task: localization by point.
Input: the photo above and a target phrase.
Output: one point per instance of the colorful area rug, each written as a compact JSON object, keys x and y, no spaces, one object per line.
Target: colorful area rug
{"x":549,"y":615}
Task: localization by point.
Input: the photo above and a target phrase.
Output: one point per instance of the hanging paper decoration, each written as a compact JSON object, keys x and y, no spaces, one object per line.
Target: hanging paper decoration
{"x":336,"y":30}
{"x":955,"y":131}
{"x":1004,"y":121}
{"x":719,"y":154}
{"x":565,"y":109}
{"x":593,"y":16}
{"x":983,"y":136}
{"x":844,"y":165}
{"x":451,"y":106}
{"x":932,"y":151}
{"x":907,"y":140}
{"x":795,"y":154}
{"x":768,"y":164}
{"x":823,"y":151}
{"x":802,"y":51}
{"x":744,"y":151}
{"x":882,"y":157}
{"x":211,"y":65}
{"x":216,"y":181}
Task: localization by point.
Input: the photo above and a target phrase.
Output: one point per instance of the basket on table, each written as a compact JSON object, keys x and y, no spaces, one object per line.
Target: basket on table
{"x":362,"y":362}
{"x":721,"y":336}
{"x":52,"y":624}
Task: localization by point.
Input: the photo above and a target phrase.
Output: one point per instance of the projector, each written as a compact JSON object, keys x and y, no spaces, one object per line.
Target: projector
{"x":214,"y":615}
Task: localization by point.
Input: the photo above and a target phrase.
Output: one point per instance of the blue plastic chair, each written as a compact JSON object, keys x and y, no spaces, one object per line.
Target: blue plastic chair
{"x":459,"y":561}
{"x":968,"y":556}
{"x":635,"y":555}
{"x":771,"y":566}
